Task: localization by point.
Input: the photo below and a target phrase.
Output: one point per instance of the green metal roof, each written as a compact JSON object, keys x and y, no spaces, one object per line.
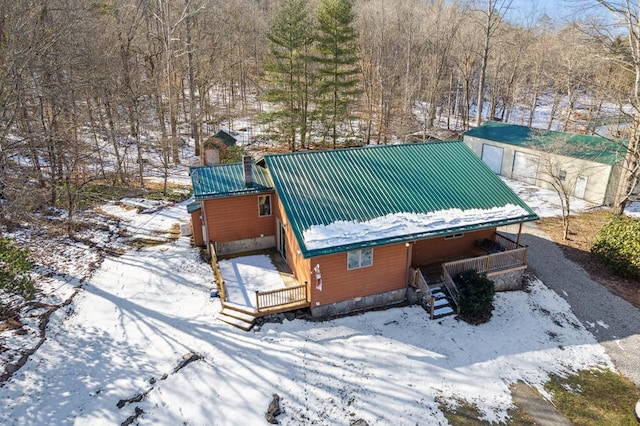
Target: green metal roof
{"x":224,"y":180}
{"x":586,"y":147}
{"x":226,"y":138}
{"x":361,"y":184}
{"x":193,"y":207}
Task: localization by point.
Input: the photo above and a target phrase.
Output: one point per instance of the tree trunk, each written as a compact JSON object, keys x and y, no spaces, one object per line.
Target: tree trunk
{"x":629,"y":170}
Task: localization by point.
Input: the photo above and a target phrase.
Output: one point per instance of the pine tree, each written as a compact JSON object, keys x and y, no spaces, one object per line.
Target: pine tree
{"x":290,"y":37}
{"x":337,"y":63}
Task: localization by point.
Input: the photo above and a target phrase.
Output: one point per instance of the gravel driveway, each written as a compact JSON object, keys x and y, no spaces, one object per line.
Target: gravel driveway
{"x":613,"y":321}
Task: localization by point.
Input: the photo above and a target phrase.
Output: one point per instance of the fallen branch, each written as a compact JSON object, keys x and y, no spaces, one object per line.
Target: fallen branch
{"x":138,"y":412}
{"x":187,"y":358}
{"x":12,"y":367}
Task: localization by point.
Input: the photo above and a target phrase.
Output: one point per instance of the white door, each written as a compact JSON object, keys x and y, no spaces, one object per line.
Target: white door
{"x":525,"y":167}
{"x":492,"y":156}
{"x":581,"y":186}
{"x":282,"y":239}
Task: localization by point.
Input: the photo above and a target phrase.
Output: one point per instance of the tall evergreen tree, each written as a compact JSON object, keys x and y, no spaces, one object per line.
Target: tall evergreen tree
{"x":287,"y":71}
{"x":337,"y":63}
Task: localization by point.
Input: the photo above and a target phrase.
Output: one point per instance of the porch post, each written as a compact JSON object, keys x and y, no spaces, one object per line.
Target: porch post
{"x":518,"y":238}
{"x":407,"y":266}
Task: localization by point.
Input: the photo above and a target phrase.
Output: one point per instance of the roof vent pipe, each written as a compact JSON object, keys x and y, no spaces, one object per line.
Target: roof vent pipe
{"x":247,"y":167}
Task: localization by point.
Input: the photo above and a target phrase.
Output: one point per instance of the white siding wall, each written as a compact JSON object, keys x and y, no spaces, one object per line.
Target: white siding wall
{"x":598,"y":175}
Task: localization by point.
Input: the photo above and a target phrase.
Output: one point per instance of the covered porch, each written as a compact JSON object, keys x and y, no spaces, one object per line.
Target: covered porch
{"x":254,"y":285}
{"x":500,"y":256}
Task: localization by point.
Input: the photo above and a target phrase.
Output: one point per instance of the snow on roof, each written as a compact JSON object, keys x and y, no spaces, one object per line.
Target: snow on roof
{"x":342,"y":233}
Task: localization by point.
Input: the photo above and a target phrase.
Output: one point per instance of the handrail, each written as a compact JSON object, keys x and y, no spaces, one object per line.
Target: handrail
{"x":216,"y":272}
{"x":421,"y":283}
{"x":452,"y":288}
{"x":282,"y":296}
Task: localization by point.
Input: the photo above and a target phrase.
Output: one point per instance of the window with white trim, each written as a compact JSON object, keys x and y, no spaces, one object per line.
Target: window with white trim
{"x":264,"y":205}
{"x":359,"y":258}
{"x":452,"y":236}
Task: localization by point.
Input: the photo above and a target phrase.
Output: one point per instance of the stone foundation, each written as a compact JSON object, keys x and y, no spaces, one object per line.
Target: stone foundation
{"x":507,"y":281}
{"x":241,"y":246}
{"x":359,"y":304}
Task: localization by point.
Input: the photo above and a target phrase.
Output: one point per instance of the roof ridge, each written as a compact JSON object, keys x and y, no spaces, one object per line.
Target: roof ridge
{"x":359,"y":148}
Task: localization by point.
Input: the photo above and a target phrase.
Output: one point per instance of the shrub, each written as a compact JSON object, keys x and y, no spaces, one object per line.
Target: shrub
{"x":233,"y":154}
{"x":476,"y":296}
{"x":15,"y":266}
{"x":618,"y":245}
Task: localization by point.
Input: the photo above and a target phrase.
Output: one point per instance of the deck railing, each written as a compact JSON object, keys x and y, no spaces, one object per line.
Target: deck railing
{"x":283,"y":297}
{"x":216,"y":272}
{"x":489,"y":263}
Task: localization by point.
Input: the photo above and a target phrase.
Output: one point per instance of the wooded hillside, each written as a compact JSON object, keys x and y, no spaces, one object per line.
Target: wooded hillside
{"x":99,"y":90}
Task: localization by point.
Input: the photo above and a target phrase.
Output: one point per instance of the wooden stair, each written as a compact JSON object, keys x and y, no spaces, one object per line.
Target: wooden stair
{"x":442,"y":304}
{"x":237,"y":317}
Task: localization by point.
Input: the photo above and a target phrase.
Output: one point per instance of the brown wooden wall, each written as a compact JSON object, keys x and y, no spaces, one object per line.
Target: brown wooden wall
{"x":387,"y":273}
{"x":298,"y":264}
{"x":196,"y":227}
{"x":438,"y":249}
{"x":236,"y":218}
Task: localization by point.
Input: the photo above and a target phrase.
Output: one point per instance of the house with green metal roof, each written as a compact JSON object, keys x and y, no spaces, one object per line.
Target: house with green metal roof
{"x":585,"y":165}
{"x":367,"y":226}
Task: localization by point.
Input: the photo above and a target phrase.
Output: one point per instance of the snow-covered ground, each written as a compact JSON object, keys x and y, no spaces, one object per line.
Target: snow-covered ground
{"x":136,"y":317}
{"x":142,"y":311}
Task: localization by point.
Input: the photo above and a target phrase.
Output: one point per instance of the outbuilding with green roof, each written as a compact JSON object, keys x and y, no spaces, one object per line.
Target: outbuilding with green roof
{"x":586,"y":166}
{"x":359,"y":227}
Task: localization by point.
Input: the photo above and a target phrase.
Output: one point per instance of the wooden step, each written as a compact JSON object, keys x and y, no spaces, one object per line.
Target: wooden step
{"x":441,"y":302}
{"x":235,"y":313}
{"x":243,"y":325}
{"x":443,"y":312}
{"x":240,"y":308}
{"x":439,"y":295}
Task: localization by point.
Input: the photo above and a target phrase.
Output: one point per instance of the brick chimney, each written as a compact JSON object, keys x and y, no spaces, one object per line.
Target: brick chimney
{"x":247,"y":168}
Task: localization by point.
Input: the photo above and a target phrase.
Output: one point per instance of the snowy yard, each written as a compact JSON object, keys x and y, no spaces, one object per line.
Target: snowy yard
{"x":136,"y":317}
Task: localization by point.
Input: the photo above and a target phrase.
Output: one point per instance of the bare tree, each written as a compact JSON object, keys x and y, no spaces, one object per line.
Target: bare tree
{"x":626,"y":16}
{"x":492,"y":14}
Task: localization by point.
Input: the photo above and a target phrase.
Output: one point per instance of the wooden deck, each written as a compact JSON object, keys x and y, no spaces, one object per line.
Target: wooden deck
{"x":291,"y":297}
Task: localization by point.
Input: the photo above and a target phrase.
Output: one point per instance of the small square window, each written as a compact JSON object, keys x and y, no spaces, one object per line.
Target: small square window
{"x":562,"y":175}
{"x":264,"y":205}
{"x":452,"y":236}
{"x":359,"y":258}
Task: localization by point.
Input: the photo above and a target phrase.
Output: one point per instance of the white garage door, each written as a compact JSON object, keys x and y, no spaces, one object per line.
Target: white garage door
{"x":525,"y":167}
{"x":492,"y":156}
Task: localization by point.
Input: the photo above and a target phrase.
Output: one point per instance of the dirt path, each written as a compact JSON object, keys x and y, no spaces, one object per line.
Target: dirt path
{"x":543,"y":412}
{"x":613,"y":321}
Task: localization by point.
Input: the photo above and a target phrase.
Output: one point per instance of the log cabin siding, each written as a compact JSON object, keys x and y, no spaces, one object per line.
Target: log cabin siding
{"x":298,"y":264}
{"x":236,"y":218}
{"x":439,"y":249}
{"x":387,"y":273}
{"x":196,"y":228}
